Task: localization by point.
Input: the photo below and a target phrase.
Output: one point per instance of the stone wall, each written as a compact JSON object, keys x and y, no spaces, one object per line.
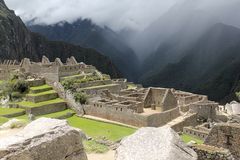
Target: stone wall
{"x":45,"y":109}
{"x":93,"y":83}
{"x":160,"y":119}
{"x":68,"y":97}
{"x":110,"y":113}
{"x":195,"y":132}
{"x":206,"y":110}
{"x":187,"y":120}
{"x":95,"y":90}
{"x":225,"y":136}
{"x":206,"y":152}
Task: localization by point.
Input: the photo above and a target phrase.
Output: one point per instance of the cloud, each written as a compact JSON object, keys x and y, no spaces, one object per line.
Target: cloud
{"x":117,"y":14}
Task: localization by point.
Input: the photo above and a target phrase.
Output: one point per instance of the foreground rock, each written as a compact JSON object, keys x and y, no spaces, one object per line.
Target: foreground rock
{"x":44,"y":139}
{"x":154,"y":144}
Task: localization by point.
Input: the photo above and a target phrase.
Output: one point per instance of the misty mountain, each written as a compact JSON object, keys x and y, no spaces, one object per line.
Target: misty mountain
{"x":209,"y":66}
{"x":87,"y":34}
{"x":17,"y":42}
{"x":182,"y":24}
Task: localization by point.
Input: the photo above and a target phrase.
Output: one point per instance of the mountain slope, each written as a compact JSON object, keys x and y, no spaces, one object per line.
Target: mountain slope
{"x":17,"y":42}
{"x":210,"y":66}
{"x":87,"y":34}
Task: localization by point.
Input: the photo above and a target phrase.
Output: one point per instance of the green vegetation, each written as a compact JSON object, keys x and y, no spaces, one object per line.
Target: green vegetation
{"x":238,"y":94}
{"x":14,"y":88}
{"x":94,"y":147}
{"x":3,"y":120}
{"x":68,"y":83}
{"x":8,"y":111}
{"x":57,"y":114}
{"x":41,"y":87}
{"x":42,"y":93}
{"x":31,"y":104}
{"x":98,"y":129}
{"x":187,"y":138}
{"x":80,"y":97}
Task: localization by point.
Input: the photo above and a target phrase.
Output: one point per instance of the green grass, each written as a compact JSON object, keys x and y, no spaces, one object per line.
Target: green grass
{"x":41,"y":87}
{"x":7,"y":111}
{"x":31,"y":104}
{"x":57,"y":114}
{"x":42,"y":93}
{"x":187,"y":138}
{"x":98,"y":129}
{"x":51,"y":115}
{"x":94,"y":147}
{"x":3,"y":120}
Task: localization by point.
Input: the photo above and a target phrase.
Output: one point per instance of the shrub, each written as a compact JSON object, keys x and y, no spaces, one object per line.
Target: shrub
{"x":68,"y":84}
{"x":14,"y":88}
{"x":80,"y":97}
{"x":20,"y":86}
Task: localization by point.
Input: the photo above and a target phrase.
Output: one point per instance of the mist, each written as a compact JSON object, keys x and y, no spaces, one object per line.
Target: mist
{"x":150,"y":23}
{"x":135,"y":14}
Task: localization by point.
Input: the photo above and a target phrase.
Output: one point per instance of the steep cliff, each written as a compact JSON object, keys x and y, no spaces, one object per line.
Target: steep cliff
{"x":17,"y":42}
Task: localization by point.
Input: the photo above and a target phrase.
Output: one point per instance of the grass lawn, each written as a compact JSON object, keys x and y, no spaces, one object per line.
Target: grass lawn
{"x":51,"y":115}
{"x":7,"y":111}
{"x":41,"y":87}
{"x":98,"y":129}
{"x":3,"y":120}
{"x":42,"y":93}
{"x":187,"y":138}
{"x":31,"y":104}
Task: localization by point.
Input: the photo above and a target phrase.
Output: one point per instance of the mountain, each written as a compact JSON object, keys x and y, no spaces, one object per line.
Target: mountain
{"x":209,"y":66}
{"x":17,"y":42}
{"x":103,"y":39}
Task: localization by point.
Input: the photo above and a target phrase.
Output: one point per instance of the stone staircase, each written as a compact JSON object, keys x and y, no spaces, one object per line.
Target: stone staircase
{"x":42,"y":100}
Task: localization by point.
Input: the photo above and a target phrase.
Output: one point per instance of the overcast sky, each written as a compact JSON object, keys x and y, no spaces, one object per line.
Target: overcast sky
{"x":117,"y":14}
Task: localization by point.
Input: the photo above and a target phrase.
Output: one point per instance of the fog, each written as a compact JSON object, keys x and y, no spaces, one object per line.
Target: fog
{"x":153,"y":21}
{"x":136,"y":14}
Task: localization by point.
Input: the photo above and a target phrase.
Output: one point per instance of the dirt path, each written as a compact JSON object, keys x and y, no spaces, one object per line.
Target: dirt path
{"x":8,"y":132}
{"x":106,"y":156}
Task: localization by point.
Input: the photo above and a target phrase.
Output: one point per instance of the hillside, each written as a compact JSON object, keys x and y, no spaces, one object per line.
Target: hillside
{"x":17,"y":42}
{"x":87,"y":34}
{"x":209,"y":66}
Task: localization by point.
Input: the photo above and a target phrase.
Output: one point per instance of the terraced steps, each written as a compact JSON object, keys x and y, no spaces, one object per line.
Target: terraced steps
{"x":42,"y":96}
{"x":42,"y":100}
{"x":11,"y":112}
{"x":39,"y":89}
{"x":44,"y":107}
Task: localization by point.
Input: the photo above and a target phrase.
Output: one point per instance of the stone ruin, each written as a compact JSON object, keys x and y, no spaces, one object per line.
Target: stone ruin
{"x":51,"y":71}
{"x":113,"y":100}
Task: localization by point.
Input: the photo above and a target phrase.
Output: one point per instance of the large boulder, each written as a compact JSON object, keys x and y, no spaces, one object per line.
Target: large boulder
{"x":154,"y":144}
{"x":44,"y":139}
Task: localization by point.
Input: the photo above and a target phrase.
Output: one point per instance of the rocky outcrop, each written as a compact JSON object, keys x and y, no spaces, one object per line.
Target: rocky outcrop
{"x":44,"y":139}
{"x":154,"y":144}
